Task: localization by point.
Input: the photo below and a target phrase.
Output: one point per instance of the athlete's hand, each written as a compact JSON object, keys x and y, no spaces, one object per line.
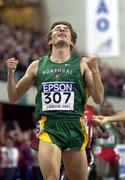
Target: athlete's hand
{"x":101,"y":120}
{"x":98,"y":120}
{"x":11,"y":65}
{"x":92,"y":62}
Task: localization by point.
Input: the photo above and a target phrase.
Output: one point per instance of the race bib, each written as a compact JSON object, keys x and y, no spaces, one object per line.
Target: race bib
{"x":57,"y":96}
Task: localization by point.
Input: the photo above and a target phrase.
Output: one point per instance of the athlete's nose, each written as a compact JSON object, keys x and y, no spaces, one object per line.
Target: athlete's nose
{"x":62,"y":29}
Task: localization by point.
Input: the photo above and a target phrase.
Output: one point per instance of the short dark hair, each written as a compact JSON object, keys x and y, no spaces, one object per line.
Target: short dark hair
{"x":73,"y":33}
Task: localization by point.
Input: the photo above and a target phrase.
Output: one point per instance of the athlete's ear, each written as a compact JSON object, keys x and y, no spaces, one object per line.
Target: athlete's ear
{"x":71,"y":44}
{"x":50,"y":42}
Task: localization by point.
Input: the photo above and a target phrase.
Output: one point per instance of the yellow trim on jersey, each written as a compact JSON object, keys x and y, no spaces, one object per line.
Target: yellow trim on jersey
{"x":43,"y":120}
{"x":43,"y":135}
{"x":84,"y":132}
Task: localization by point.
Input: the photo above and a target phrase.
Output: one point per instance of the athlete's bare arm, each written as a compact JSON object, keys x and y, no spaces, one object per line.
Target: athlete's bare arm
{"x":120,"y":116}
{"x":15,"y":91}
{"x":89,"y":68}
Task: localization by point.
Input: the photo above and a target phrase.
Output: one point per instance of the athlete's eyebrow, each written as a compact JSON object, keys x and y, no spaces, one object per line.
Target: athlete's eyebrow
{"x":59,"y":26}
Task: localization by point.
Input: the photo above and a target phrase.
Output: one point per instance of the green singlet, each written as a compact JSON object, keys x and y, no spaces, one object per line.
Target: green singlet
{"x":61,"y":99}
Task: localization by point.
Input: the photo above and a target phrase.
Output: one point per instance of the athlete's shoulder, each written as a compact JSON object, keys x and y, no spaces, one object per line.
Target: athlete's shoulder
{"x":76,"y":58}
{"x":83,"y":58}
{"x":33,"y":66}
{"x":44,"y":57}
{"x":34,"y":63}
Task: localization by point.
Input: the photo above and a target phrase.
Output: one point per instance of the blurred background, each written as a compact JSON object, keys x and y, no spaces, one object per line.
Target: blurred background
{"x":24,"y":25}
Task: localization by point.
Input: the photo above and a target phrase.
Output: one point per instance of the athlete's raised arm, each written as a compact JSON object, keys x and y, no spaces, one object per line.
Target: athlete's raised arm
{"x":16,"y":90}
{"x":90,"y":70}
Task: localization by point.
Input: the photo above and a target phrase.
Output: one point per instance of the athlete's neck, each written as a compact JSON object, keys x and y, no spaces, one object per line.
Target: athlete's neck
{"x":60,"y":55}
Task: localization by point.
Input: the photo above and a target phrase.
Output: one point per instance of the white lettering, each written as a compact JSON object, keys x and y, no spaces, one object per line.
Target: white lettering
{"x":57,"y":87}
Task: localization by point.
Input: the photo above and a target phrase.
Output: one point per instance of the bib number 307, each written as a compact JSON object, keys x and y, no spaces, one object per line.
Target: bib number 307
{"x":57,"y":96}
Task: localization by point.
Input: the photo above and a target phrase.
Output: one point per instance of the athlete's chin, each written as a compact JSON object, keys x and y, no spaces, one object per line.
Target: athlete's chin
{"x":61,"y":42}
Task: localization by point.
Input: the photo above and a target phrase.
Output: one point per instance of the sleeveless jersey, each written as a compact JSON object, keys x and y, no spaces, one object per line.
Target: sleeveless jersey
{"x":60,"y":88}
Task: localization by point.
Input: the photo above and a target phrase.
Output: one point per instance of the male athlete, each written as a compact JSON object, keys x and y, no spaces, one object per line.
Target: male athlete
{"x":63,"y":84}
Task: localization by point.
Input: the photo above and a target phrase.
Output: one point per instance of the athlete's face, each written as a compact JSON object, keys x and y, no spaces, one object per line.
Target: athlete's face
{"x":107,"y":109}
{"x":61,"y":35}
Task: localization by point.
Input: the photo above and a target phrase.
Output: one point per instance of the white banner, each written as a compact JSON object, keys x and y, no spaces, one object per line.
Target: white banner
{"x":121,"y":150}
{"x":102,"y":27}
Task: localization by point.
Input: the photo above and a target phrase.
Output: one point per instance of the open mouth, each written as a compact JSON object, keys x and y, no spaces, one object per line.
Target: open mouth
{"x":61,"y":35}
